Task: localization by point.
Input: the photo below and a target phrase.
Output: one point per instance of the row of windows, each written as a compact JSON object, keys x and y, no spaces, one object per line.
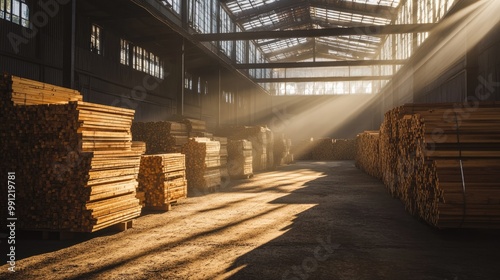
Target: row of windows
{"x":16,"y":11}
{"x":200,"y":87}
{"x":401,"y":46}
{"x":139,"y":58}
{"x":203,"y":17}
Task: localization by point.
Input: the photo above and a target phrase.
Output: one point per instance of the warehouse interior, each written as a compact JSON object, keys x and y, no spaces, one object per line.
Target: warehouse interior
{"x":239,"y":139}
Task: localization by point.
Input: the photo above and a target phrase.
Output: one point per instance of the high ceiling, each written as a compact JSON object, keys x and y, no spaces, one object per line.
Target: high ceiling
{"x":274,"y":15}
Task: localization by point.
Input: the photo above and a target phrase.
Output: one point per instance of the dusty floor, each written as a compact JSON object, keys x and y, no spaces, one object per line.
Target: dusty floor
{"x":311,"y":220}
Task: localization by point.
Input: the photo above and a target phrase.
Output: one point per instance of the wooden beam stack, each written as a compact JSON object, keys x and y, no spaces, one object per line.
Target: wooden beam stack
{"x":442,"y":161}
{"x":270,"y":148}
{"x":196,"y":128}
{"x":202,"y":164}
{"x":344,"y":149}
{"x":240,"y":158}
{"x":223,"y":158}
{"x":322,"y":149}
{"x":162,"y":178}
{"x":367,"y":158}
{"x":161,"y":137}
{"x":74,"y":163}
{"x":255,"y":134}
{"x":303,"y":149}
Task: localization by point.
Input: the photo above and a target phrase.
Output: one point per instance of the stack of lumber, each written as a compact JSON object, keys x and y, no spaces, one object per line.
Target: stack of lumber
{"x":74,"y":163}
{"x":344,"y":149}
{"x":303,"y":149}
{"x":270,"y":148}
{"x":288,"y":158}
{"x":196,"y":128}
{"x":329,"y":149}
{"x":367,"y":157}
{"x":202,"y":164}
{"x":29,"y":92}
{"x":240,"y":158}
{"x":223,"y":158}
{"x":282,"y":150}
{"x":322,"y":149}
{"x":255,"y":134}
{"x":279,"y":149}
{"x":162,"y":178}
{"x":446,"y":161}
{"x":139,"y":146}
{"x":161,"y":137}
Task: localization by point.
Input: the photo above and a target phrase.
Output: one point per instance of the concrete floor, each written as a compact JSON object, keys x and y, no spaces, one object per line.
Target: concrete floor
{"x":310,"y":220}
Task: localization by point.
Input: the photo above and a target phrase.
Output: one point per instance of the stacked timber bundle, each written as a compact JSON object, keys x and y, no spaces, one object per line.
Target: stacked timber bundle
{"x":344,"y":149}
{"x":279,"y":149}
{"x":322,"y":149}
{"x":270,"y":148}
{"x":223,"y":158}
{"x":303,"y":149}
{"x":74,"y":163}
{"x":240,"y":158}
{"x":255,"y":134}
{"x":29,"y":92}
{"x":139,"y":146}
{"x":160,"y":137}
{"x":288,"y":159}
{"x":282,"y":150}
{"x":162,"y":178}
{"x":196,"y":128}
{"x":442,"y":160}
{"x":367,"y":158}
{"x":202,"y":164}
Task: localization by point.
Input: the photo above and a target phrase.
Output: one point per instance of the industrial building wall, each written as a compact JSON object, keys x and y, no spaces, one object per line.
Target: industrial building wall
{"x":475,"y":73}
{"x":34,"y":53}
{"x":103,"y":79}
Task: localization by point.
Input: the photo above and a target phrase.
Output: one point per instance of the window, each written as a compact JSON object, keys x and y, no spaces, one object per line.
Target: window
{"x":228,"y":97}
{"x":16,"y":11}
{"x":226,"y":26}
{"x":124,"y":52}
{"x":95,"y":39}
{"x":175,"y":5}
{"x":147,"y":62}
{"x":188,"y":81}
{"x":199,"y":85}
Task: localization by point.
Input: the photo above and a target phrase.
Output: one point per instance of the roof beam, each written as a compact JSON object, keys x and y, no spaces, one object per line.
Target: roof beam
{"x":356,"y":8}
{"x":326,"y":32}
{"x":274,"y":65}
{"x":322,"y":79}
{"x":268,"y":8}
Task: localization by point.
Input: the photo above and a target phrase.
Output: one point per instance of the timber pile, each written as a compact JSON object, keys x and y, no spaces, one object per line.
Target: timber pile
{"x":139,"y":146}
{"x":270,"y":149}
{"x":303,"y":149}
{"x":162,"y":178}
{"x":29,"y":92}
{"x":202,"y":164}
{"x":445,"y":162}
{"x":224,"y":173}
{"x":74,"y":163}
{"x":196,"y":128}
{"x":240,"y":158}
{"x":331,"y":149}
{"x":288,"y":159}
{"x":279,"y":149}
{"x":255,"y":134}
{"x":344,"y":149}
{"x":161,"y":137}
{"x":367,"y":158}
{"x":322,"y":149}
